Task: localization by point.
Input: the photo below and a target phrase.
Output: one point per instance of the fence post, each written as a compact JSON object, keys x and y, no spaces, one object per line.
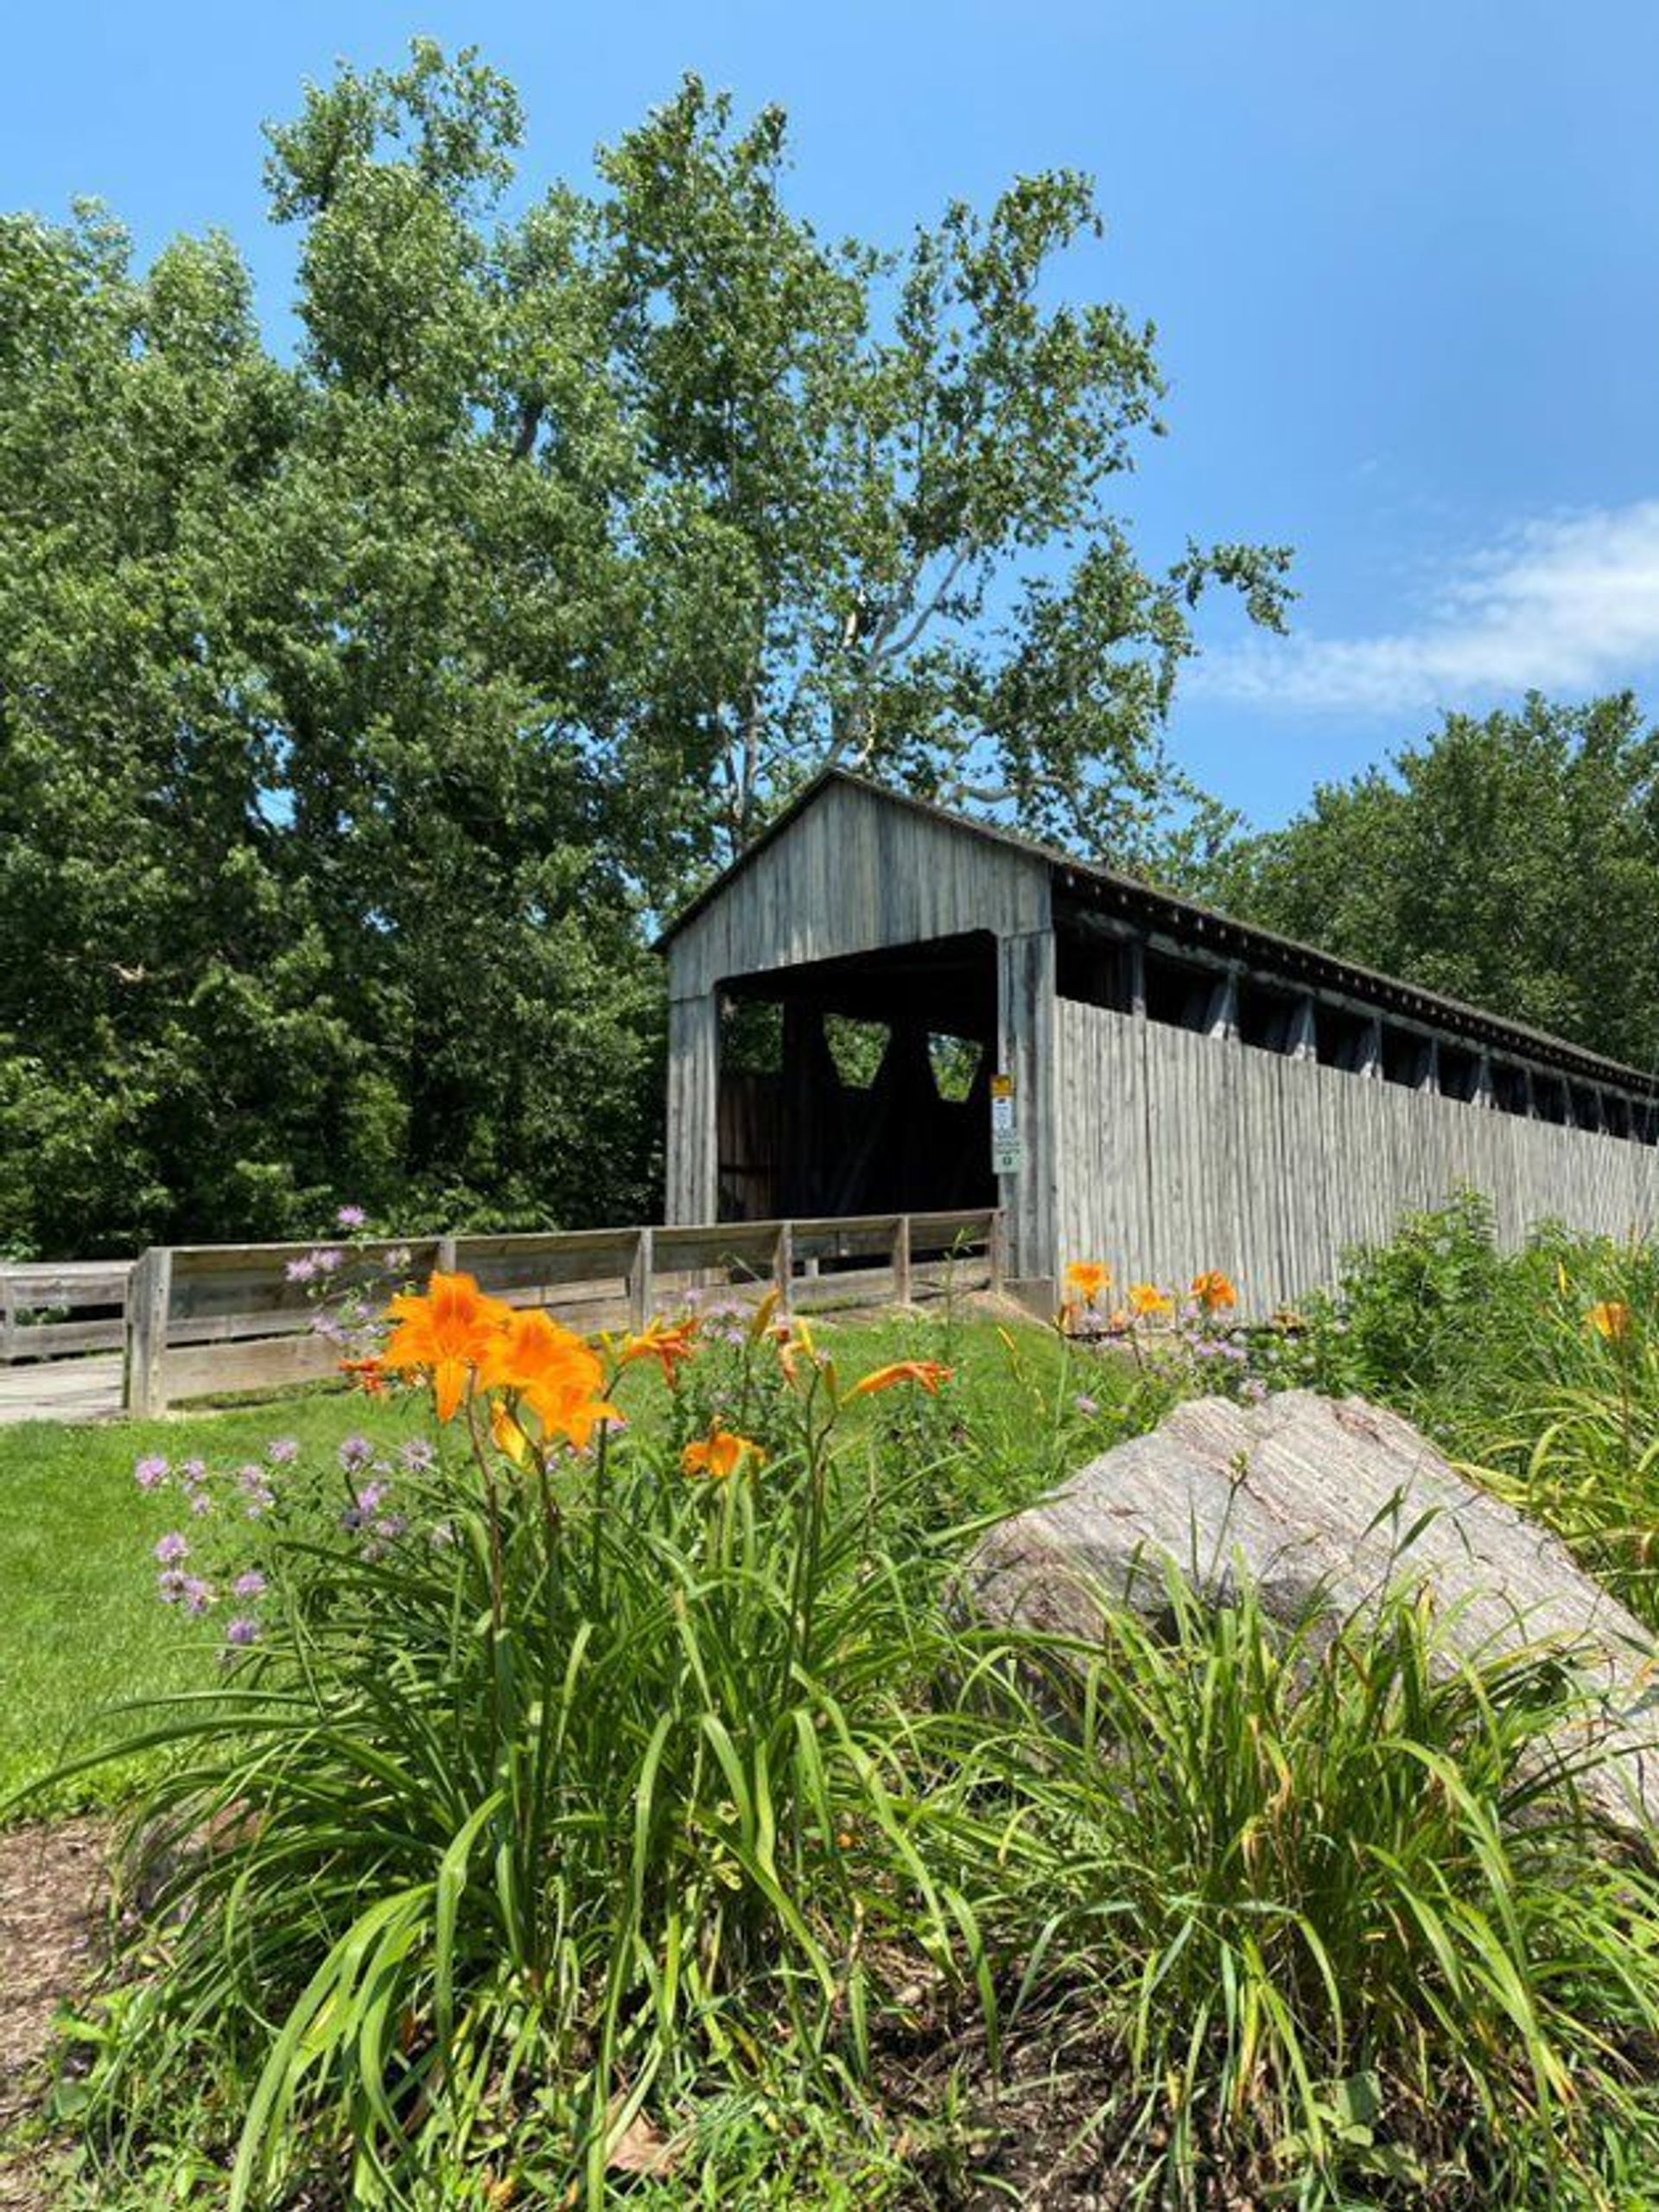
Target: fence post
{"x":782,"y":1263}
{"x":996,"y":1248}
{"x":640,"y":1283}
{"x":901,"y":1261}
{"x":149,"y":1298}
{"x":445,"y":1261}
{"x":8,"y":1319}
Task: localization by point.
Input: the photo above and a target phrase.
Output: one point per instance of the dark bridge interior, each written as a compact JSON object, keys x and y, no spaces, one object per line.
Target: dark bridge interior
{"x":859,"y":1085}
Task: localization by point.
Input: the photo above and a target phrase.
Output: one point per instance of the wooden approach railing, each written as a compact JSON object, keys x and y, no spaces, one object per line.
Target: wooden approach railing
{"x":204,"y":1319}
{"x":66,"y":1291}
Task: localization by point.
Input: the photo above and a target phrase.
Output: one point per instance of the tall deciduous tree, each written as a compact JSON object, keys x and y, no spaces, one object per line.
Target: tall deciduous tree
{"x":359,"y":709}
{"x":1512,"y":862}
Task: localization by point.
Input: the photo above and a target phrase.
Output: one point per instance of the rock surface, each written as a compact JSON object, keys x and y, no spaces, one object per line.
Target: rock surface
{"x":1309,"y":1495}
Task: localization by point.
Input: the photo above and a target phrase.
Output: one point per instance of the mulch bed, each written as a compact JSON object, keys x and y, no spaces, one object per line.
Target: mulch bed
{"x":53,"y":1888}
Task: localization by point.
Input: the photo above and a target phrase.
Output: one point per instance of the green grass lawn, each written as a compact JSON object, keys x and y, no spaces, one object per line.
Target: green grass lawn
{"x":82,"y":1634}
{"x":81,"y":1631}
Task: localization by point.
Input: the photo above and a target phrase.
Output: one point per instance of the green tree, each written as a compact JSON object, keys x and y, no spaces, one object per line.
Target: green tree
{"x":874,"y":508}
{"x":359,"y":711}
{"x":1512,"y":862}
{"x":826,"y":502}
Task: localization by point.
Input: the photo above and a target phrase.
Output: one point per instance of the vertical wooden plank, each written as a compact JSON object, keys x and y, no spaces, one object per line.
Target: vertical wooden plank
{"x":998,"y":1250}
{"x":1026,"y":1021}
{"x":445,"y":1259}
{"x":783,"y":1264}
{"x":149,"y":1299}
{"x":8,"y":1319}
{"x":641,"y":1281}
{"x":693,"y":1081}
{"x":901,"y":1261}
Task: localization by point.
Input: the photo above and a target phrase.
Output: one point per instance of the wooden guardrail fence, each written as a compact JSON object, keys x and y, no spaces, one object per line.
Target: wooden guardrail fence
{"x":68,"y":1291}
{"x":209,"y":1319}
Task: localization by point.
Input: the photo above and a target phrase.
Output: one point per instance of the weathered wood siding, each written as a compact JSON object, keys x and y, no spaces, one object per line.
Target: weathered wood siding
{"x":855,"y":873}
{"x":693,"y":1155}
{"x":1026,"y":1049}
{"x":1180,"y":1152}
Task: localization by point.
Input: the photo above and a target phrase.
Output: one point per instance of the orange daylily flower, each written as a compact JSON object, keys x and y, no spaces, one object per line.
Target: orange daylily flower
{"x":930,"y":1373}
{"x":1088,"y":1278}
{"x":1214,"y":1291}
{"x":1610,"y":1318}
{"x":1146,"y":1301}
{"x":719,"y":1454}
{"x":368,"y":1375}
{"x":793,"y":1338}
{"x":444,"y":1333}
{"x":554,"y":1372}
{"x":669,"y":1343}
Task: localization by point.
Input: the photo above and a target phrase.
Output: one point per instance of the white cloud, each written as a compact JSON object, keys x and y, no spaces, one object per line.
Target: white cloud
{"x":1564,"y":604}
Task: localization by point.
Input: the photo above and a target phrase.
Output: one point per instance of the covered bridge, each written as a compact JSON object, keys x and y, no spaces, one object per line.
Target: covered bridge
{"x":882,"y":1007}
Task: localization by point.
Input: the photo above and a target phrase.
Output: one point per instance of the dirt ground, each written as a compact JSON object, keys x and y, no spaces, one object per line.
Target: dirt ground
{"x":52,"y":1892}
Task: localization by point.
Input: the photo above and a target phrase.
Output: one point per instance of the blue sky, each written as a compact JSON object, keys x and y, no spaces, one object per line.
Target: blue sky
{"x":1403,"y":257}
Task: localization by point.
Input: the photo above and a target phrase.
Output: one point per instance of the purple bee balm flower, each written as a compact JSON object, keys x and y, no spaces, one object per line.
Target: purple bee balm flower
{"x":172,"y":1549}
{"x":200,"y":1503}
{"x":356,"y":1451}
{"x":350,"y":1217}
{"x":1085,"y":1404}
{"x":329,"y":1261}
{"x":391,"y":1526}
{"x":199,"y":1596}
{"x":169,"y":1584}
{"x":370,"y":1497}
{"x":300,"y":1270}
{"x":241,"y":1630}
{"x":151,"y":1472}
{"x":250,"y":1584}
{"x":398,"y":1261}
{"x":282,"y":1450}
{"x":417,"y":1455}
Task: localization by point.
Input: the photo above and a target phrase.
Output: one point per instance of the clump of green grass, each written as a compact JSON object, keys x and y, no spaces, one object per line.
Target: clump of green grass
{"x":1335,"y":1901}
{"x":551,"y":1815}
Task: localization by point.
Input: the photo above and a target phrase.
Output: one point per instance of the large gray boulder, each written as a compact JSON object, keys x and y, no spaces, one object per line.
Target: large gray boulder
{"x":1308,"y":1495}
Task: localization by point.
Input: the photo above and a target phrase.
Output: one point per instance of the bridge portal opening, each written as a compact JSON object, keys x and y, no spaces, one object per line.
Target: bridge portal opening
{"x":859,"y":1085}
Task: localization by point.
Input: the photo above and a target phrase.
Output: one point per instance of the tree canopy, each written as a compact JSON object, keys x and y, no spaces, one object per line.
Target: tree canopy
{"x":1512,"y":862}
{"x":360,"y":706}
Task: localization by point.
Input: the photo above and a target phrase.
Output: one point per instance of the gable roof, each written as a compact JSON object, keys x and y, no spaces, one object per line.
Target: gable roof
{"x":1205,"y":927}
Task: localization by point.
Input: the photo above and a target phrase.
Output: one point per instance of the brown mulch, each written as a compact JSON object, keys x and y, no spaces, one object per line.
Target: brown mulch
{"x":53,"y":1884}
